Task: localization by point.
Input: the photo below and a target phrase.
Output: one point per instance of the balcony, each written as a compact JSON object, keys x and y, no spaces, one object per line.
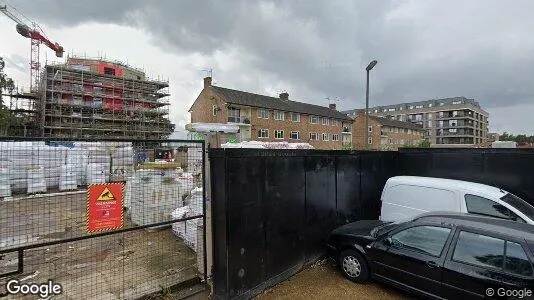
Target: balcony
{"x":239,"y":120}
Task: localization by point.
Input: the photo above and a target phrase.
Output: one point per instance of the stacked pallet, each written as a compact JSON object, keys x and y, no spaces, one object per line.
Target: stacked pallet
{"x":122,"y":163}
{"x":68,"y":178}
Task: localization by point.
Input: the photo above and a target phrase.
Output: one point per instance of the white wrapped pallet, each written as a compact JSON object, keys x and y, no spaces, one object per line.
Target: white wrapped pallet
{"x":121,"y":172}
{"x":52,"y":177}
{"x":195,"y":201}
{"x":98,"y":155}
{"x":97,"y":173}
{"x":178,"y":228}
{"x":187,"y":182}
{"x":191,"y":231}
{"x":67,"y":178}
{"x":194,"y":160}
{"x":78,"y":157}
{"x":123,"y":156}
{"x":5,"y":187}
{"x":36,"y":181}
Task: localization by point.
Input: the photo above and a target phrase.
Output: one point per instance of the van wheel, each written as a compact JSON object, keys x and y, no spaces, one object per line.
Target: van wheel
{"x":353,"y":266}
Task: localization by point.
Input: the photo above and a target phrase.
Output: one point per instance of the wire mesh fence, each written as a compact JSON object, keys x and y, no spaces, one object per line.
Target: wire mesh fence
{"x":104,"y":220}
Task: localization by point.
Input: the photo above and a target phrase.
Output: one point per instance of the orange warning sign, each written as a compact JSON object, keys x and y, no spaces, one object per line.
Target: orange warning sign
{"x":104,"y":207}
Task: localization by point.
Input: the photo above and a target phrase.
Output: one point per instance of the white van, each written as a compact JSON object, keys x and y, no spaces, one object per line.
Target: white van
{"x":405,"y":197}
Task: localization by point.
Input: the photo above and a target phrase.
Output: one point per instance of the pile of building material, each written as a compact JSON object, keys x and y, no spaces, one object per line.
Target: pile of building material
{"x":78,"y":157}
{"x":122,"y":162}
{"x":68,"y":178}
{"x":5,"y":187}
{"x":152,"y":194}
{"x":267,"y":145}
{"x":36,"y":180}
{"x":188,"y":230}
{"x":50,"y":159}
{"x":194,"y":160}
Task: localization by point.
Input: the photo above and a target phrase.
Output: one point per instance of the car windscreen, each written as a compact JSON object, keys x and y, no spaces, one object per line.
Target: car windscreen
{"x":386,"y":227}
{"x":520,"y":204}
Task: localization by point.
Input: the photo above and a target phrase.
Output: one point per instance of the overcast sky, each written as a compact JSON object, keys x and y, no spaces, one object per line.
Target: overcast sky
{"x":312,"y":49}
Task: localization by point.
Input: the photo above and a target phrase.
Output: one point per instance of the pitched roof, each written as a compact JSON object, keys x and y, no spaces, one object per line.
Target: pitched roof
{"x":396,"y":123}
{"x":261,"y":101}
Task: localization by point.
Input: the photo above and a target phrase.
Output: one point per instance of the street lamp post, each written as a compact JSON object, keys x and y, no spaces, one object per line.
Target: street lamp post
{"x":371,"y":65}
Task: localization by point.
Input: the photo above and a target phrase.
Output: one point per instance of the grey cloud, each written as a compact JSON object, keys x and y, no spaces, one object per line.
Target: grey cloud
{"x":426,"y":49}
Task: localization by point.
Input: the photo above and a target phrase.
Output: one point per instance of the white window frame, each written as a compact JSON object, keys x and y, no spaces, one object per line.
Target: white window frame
{"x":325,"y":121}
{"x":276,"y":132}
{"x":369,"y":140}
{"x":297,"y":119}
{"x":327,"y":137}
{"x":263,"y":113}
{"x":315,"y":135}
{"x":294,"y":132}
{"x":214,"y":110}
{"x":369,"y":128}
{"x":335,"y":137}
{"x":263,"y":131}
{"x":311,"y":118}
{"x":277,"y":114}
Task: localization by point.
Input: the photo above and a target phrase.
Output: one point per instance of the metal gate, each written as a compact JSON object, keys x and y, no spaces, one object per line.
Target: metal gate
{"x":106,"y":219}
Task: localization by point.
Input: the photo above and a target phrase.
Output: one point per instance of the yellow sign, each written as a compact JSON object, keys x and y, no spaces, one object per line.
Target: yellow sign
{"x":106,"y":195}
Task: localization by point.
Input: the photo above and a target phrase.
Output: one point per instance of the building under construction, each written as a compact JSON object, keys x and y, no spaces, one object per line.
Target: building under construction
{"x":90,"y":98}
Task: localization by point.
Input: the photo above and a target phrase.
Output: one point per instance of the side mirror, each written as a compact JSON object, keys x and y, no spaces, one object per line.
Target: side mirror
{"x":388,"y":242}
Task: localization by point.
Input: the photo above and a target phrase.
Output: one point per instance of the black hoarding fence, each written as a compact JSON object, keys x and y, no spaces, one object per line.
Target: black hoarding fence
{"x":107,"y":219}
{"x":509,"y":169}
{"x":273,"y":209}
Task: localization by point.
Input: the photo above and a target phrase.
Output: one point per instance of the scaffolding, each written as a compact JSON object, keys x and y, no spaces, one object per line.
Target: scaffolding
{"x":83,"y":103}
{"x":24,"y":116}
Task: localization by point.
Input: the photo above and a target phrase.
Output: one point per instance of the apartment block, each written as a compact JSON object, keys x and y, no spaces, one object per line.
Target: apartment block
{"x":384,"y":134}
{"x":92,"y":98}
{"x":271,"y":119}
{"x":448,"y":122}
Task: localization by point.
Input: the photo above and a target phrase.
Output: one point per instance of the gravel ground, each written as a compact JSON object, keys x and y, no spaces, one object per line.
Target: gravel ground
{"x":324,"y":281}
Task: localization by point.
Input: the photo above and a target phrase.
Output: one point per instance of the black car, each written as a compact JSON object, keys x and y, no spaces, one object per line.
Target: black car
{"x":440,"y":255}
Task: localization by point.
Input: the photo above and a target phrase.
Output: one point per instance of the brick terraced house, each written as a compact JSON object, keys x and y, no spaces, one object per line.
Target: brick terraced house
{"x":385,"y":133}
{"x":271,"y":119}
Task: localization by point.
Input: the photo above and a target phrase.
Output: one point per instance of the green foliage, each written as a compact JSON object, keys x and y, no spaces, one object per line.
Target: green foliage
{"x":6,"y":85}
{"x":425,"y":143}
{"x":520,"y":139}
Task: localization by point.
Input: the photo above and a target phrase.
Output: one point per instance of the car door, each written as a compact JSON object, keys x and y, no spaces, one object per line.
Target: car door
{"x":518,"y":270}
{"x":412,"y":256}
{"x":473,"y":264}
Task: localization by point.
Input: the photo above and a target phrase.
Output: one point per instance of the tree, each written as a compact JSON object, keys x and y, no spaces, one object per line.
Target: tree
{"x":425,"y":143}
{"x":6,"y":85}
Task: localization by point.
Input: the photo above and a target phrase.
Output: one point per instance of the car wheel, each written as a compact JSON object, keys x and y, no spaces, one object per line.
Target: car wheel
{"x":353,"y":266}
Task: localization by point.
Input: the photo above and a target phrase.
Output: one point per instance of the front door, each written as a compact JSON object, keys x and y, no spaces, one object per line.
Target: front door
{"x":414,"y":258}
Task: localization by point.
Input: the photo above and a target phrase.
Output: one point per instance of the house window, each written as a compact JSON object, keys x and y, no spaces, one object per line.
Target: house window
{"x":263,"y":113}
{"x":411,"y":107}
{"x":335,"y":137}
{"x":370,"y":128}
{"x":429,"y":124}
{"x":391,"y":109}
{"x":295,"y":135}
{"x":325,"y":136}
{"x":396,"y":130}
{"x":295,"y":117}
{"x":369,"y":140}
{"x":263,"y":133}
{"x":279,"y":115}
{"x":279,"y":134}
{"x":441,"y":104}
{"x":418,"y":106}
{"x":234,"y":115}
{"x":314,"y":120}
{"x":430,"y":105}
{"x":214,"y":110}
{"x":325,"y":121}
{"x":313,"y":136}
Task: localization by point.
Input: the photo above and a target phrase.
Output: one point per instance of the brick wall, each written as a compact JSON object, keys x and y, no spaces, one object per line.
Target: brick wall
{"x":202,"y":109}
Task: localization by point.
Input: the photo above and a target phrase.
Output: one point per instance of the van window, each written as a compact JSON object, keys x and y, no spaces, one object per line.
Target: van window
{"x":424,"y":198}
{"x":479,"y":250}
{"x":483,"y":206}
{"x":519,"y":204}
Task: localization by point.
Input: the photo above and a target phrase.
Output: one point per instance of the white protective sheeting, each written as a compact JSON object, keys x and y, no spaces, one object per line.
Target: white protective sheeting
{"x":5,"y":187}
{"x":36,"y":181}
{"x":268,"y":145}
{"x":67,"y":178}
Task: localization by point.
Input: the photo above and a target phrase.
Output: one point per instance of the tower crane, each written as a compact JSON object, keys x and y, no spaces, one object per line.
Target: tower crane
{"x":34,"y":32}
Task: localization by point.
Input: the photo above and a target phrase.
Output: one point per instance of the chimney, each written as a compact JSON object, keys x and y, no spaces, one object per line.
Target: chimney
{"x":207,"y":82}
{"x":284,"y":96}
{"x":332,"y":106}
